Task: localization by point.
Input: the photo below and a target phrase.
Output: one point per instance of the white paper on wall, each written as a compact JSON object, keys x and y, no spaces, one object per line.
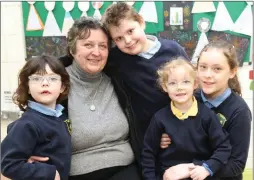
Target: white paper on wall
{"x":222,"y":20}
{"x":176,"y":16}
{"x":148,"y":12}
{"x":244,"y":23}
{"x":202,"y":7}
{"x":51,"y":27}
{"x":97,"y":6}
{"x":83,"y":6}
{"x":201,"y":44}
{"x":34,"y":21}
{"x":68,"y":20}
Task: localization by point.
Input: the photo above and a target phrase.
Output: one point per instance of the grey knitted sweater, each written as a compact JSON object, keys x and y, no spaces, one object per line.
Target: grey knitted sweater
{"x":99,"y":138}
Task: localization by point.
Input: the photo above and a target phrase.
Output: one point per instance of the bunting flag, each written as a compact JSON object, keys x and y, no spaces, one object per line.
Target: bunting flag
{"x":148,"y":11}
{"x":203,"y":7}
{"x":97,"y":6}
{"x":222,"y":20}
{"x":34,"y":22}
{"x":83,"y":6}
{"x":244,"y":23}
{"x":68,"y":20}
{"x":51,"y":27}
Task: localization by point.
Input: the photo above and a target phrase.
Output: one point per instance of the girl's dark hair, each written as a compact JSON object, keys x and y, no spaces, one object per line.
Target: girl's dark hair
{"x":81,"y":29}
{"x":37,"y":65}
{"x":230,"y":53}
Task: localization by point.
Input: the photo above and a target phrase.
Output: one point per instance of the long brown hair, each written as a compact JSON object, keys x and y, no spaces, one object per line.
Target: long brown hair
{"x":230,"y":53}
{"x":37,"y":65}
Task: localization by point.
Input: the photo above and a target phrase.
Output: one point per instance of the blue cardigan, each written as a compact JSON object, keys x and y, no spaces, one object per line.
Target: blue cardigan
{"x":36,"y":134}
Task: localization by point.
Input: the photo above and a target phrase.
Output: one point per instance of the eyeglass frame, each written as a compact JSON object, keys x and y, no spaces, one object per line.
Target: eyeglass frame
{"x":42,"y":78}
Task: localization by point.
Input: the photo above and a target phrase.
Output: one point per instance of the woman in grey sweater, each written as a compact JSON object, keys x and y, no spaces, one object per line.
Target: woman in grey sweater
{"x":101,"y":149}
{"x":100,"y":130}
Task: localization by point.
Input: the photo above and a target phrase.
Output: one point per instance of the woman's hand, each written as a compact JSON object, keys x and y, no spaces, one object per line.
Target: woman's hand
{"x":178,"y":172}
{"x":165,"y":141}
{"x":37,"y":158}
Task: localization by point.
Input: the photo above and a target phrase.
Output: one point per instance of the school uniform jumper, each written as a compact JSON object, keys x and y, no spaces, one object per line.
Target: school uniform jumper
{"x":37,"y":134}
{"x":235,"y":117}
{"x":198,"y":138}
{"x":138,"y":78}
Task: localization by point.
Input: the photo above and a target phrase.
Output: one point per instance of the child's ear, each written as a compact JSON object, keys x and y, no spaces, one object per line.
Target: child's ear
{"x":233,"y":73}
{"x":62,"y":89}
{"x":164,"y":87}
{"x":142,"y":23}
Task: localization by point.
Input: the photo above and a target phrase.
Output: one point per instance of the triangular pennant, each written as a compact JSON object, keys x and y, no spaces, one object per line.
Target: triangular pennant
{"x":222,"y":20}
{"x":34,"y":21}
{"x":244,"y":23}
{"x":67,"y":24}
{"x":148,"y":12}
{"x":84,"y":6}
{"x":202,"y":7}
{"x":201,"y":44}
{"x":51,"y":27}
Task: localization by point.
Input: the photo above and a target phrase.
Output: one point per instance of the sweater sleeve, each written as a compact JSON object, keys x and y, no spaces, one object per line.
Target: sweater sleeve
{"x":16,"y":149}
{"x":150,"y":150}
{"x":219,"y":142}
{"x":239,"y":131}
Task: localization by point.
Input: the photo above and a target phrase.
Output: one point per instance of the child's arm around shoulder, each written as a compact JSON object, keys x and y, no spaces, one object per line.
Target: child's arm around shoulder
{"x":17,"y":147}
{"x":151,"y":148}
{"x":218,"y":139}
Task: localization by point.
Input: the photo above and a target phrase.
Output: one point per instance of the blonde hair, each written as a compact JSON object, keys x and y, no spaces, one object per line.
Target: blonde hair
{"x":229,"y":52}
{"x":164,"y":71}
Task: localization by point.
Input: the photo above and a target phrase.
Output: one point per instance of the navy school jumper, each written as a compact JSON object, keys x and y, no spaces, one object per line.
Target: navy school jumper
{"x":36,"y":134}
{"x":140,"y":81}
{"x":198,"y":138}
{"x":237,"y":123}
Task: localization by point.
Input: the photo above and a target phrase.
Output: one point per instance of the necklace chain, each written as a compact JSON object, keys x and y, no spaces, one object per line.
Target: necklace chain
{"x":92,"y":107}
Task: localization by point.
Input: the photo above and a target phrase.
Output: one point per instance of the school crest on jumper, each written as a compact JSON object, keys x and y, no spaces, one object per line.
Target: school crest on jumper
{"x":222,"y":119}
{"x":68,"y":125}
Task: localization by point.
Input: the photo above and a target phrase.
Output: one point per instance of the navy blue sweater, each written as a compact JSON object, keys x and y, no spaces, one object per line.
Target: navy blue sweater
{"x":140,"y":79}
{"x":199,"y":138}
{"x":38,"y":135}
{"x":238,"y":125}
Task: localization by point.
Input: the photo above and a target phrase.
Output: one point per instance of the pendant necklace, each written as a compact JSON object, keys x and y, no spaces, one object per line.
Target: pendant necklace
{"x":92,"y":105}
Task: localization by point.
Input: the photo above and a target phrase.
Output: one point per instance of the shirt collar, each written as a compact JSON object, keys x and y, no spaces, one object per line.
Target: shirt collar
{"x":152,"y":50}
{"x":218,"y":100}
{"x":45,"y":110}
{"x":191,"y":112}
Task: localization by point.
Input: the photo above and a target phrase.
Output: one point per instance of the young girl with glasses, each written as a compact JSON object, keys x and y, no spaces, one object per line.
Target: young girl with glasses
{"x":43,"y":129}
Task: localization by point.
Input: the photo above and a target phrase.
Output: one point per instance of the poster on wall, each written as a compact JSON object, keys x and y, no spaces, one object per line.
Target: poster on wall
{"x":184,"y":13}
{"x":187,"y":39}
{"x":54,"y":45}
{"x":240,"y":44}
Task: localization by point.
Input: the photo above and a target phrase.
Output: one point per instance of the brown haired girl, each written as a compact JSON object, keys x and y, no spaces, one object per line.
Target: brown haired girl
{"x":43,"y":129}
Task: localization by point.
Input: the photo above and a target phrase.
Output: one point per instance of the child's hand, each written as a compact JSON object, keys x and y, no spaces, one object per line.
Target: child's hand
{"x":165,"y":141}
{"x":199,"y":173}
{"x":179,"y":171}
{"x":57,"y":176}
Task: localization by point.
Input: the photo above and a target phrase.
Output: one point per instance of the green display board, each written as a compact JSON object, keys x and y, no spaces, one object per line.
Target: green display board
{"x":234,"y":9}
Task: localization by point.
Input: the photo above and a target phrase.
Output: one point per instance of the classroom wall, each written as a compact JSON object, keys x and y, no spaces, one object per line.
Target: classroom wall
{"x":13,"y":58}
